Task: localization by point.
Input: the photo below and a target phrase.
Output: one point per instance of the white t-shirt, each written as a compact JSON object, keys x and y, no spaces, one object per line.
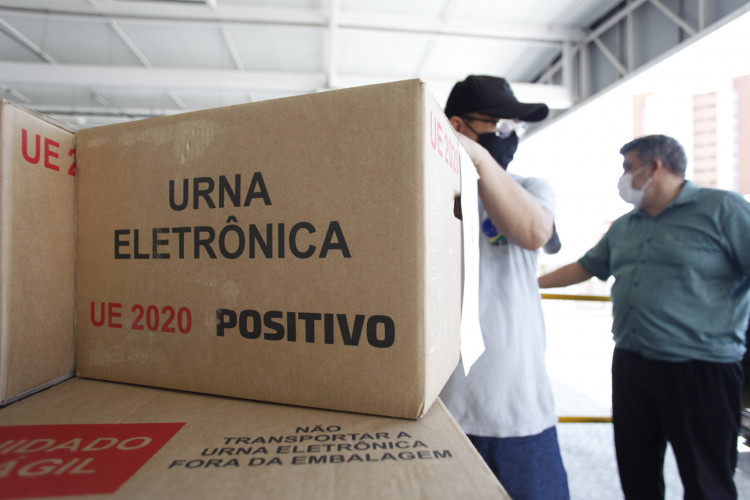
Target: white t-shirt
{"x":507,"y":392}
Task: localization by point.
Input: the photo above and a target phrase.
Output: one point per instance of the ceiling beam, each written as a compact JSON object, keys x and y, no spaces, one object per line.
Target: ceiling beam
{"x":331,"y":43}
{"x":234,"y":15}
{"x":25,"y":42}
{"x":80,"y":75}
{"x":179,"y":79}
{"x":591,"y":72}
{"x":674,"y":18}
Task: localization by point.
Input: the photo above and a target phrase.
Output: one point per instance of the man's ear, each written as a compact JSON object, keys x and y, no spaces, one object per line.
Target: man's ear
{"x":457,"y":122}
{"x":658,"y":167}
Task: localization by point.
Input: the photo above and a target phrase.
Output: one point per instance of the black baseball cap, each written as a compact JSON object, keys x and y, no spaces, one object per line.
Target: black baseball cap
{"x":492,"y":96}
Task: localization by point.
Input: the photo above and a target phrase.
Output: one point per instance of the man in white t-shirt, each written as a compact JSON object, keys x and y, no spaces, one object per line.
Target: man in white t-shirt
{"x":505,"y":404}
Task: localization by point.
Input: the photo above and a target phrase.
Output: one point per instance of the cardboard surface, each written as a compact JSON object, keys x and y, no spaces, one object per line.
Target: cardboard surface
{"x":110,"y":440}
{"x":302,"y":251}
{"x":37,"y":251}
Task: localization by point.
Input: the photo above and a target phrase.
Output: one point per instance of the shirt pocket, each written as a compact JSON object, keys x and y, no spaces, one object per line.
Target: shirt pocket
{"x":688,"y":248}
{"x":697,"y":260}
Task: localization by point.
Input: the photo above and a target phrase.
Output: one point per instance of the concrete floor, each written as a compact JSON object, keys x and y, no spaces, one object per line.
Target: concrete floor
{"x":589,"y":457}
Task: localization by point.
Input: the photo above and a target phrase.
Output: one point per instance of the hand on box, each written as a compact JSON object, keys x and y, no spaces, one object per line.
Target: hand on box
{"x":476,"y":152}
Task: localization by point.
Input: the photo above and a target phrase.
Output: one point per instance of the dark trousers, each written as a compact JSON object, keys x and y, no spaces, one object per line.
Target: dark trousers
{"x":695,"y":406}
{"x":529,"y":467}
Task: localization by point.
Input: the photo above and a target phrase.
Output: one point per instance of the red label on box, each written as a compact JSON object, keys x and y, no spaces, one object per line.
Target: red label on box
{"x":59,"y":460}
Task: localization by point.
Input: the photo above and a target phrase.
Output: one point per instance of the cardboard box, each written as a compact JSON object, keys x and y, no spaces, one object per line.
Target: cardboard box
{"x":37,"y":251}
{"x":301,"y":251}
{"x":110,"y":440}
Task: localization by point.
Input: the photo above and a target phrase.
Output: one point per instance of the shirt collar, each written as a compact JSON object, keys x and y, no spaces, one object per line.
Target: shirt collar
{"x":688,"y":193}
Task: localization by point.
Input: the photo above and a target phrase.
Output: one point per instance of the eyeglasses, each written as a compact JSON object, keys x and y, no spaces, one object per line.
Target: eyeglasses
{"x":503,"y":126}
{"x":632,"y":169}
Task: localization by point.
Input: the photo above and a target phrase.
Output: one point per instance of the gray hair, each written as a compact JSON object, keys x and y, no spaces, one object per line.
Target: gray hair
{"x":667,"y":149}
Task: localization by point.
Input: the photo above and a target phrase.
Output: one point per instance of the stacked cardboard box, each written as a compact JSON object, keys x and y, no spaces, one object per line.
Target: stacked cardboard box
{"x":96,"y":439}
{"x":301,"y":251}
{"x":37,"y":251}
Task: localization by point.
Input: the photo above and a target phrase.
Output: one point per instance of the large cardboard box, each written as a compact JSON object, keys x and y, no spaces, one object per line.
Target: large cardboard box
{"x":301,"y":251}
{"x":94,"y":439}
{"x":37,"y":251}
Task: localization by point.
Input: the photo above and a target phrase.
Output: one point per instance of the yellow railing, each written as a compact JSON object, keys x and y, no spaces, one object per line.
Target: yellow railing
{"x":580,"y":419}
{"x":596,"y":298}
{"x":584,"y":420}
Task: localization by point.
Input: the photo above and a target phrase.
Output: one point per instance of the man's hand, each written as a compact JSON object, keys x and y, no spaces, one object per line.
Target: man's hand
{"x":476,"y":152}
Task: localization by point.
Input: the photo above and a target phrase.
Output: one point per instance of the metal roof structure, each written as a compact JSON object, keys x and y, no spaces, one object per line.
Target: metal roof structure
{"x":98,"y":61}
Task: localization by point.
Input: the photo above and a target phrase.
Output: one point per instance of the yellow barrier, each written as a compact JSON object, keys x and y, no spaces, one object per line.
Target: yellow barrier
{"x":584,"y":420}
{"x":595,"y":298}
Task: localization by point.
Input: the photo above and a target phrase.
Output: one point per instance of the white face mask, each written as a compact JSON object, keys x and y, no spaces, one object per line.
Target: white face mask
{"x":628,"y":192}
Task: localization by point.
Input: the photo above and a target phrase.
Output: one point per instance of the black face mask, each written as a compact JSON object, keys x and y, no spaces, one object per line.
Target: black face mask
{"x":502,"y":150}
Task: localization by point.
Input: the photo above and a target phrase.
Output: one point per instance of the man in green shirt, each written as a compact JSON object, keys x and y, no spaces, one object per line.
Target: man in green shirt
{"x":681,"y":301}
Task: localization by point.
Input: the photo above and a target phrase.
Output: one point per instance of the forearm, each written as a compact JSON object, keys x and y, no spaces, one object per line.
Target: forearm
{"x":567,"y":275}
{"x":512,"y":210}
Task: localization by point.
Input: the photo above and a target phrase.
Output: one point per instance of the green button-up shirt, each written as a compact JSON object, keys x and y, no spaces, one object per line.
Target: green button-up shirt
{"x":682,"y":283}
